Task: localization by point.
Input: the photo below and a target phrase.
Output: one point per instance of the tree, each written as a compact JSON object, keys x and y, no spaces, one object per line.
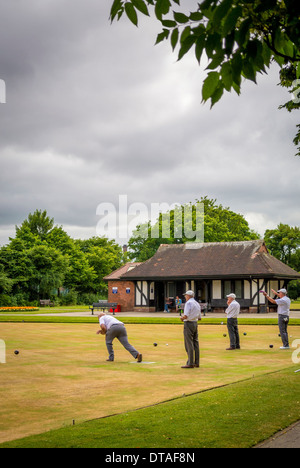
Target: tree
{"x":59,"y":239}
{"x":288,"y":80}
{"x":47,"y":271}
{"x":16,"y":265}
{"x":39,"y":224}
{"x":240,"y":38}
{"x":220,"y":225}
{"x":294,"y":289}
{"x":6,"y":283}
{"x":34,"y":271}
{"x":104,"y":256}
{"x":80,"y":275}
{"x":284,"y":244}
{"x":43,"y":258}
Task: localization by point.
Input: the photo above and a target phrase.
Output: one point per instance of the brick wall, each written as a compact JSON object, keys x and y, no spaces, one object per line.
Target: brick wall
{"x":124,"y":299}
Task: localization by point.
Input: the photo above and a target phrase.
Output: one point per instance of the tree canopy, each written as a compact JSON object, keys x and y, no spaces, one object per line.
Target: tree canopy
{"x":240,"y":39}
{"x":284,"y":244}
{"x":43,"y":262}
{"x":220,"y":225}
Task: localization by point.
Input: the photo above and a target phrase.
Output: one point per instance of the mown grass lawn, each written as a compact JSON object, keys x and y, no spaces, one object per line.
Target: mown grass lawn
{"x":61,"y":375}
{"x":235,"y":416}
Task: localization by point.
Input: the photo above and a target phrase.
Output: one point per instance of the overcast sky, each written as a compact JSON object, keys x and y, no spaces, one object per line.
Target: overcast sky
{"x":94,"y":111}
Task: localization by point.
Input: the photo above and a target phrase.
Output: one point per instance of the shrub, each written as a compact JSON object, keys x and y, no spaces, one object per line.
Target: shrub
{"x":89,"y":298}
{"x":69,"y":298}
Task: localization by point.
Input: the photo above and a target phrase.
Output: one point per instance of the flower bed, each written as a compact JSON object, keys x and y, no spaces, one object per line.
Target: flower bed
{"x":18,"y":309}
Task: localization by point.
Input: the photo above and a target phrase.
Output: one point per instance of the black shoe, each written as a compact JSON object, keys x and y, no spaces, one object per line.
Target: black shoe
{"x":187,"y":367}
{"x":109,"y":360}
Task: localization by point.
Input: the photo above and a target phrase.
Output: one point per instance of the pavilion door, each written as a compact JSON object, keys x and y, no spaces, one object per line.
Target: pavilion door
{"x":159,"y":296}
{"x":180,"y":289}
{"x":203,"y":293}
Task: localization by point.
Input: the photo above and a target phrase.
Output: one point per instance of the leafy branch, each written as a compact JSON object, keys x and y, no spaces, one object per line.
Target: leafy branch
{"x":240,"y":38}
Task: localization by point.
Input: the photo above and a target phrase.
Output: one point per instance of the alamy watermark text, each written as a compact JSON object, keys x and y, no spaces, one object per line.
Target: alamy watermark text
{"x":2,"y":352}
{"x":122,"y":220}
{"x":2,"y":92}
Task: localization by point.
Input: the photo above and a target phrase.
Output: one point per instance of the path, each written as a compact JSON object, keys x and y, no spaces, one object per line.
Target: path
{"x":288,"y":438}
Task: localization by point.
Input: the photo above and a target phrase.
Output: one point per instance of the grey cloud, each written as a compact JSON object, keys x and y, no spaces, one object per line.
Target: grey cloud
{"x":95,"y":110}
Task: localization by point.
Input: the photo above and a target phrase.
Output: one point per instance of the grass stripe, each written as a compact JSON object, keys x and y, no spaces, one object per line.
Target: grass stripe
{"x":238,"y":415}
{"x":138,"y":320}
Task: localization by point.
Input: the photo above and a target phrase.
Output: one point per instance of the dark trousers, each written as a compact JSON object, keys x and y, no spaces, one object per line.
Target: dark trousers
{"x":233,"y":330}
{"x":191,"y":343}
{"x":283,"y":321}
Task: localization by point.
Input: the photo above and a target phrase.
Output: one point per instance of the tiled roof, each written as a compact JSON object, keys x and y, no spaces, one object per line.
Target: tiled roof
{"x":121,"y":271}
{"x":211,"y":260}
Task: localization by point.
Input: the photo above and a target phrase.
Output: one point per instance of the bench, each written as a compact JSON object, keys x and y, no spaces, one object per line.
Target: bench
{"x":104,"y":305}
{"x":46,"y":302}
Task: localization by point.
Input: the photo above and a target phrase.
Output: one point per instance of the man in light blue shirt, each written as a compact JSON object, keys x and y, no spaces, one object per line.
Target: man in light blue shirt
{"x":284,"y":304}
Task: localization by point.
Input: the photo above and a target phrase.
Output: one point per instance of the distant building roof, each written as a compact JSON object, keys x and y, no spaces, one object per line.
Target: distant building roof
{"x":115,"y":275}
{"x":209,"y":260}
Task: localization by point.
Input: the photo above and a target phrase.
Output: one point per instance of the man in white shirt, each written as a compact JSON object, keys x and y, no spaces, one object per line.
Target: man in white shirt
{"x":284,"y":304}
{"x":113,"y":328}
{"x":190,"y":317}
{"x":233,"y":311}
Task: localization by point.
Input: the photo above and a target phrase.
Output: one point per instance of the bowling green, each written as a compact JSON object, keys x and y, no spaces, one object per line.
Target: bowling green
{"x":60,"y":376}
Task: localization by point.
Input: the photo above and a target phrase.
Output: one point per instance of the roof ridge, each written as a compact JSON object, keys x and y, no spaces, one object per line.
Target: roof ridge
{"x":253,"y":241}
